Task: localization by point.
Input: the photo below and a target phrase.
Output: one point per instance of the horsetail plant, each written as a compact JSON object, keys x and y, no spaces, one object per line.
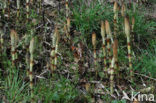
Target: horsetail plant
{"x":14,"y":40}
{"x":127,"y":32}
{"x":112,"y":76}
{"x":8,"y":9}
{"x":67,"y":8}
{"x":56,"y":48}
{"x":1,"y":38}
{"x":4,"y":7}
{"x":109,"y":37}
{"x":68,"y":27}
{"x":115,"y":19}
{"x":115,"y":55}
{"x":123,"y":10}
{"x":31,"y":51}
{"x":18,"y":8}
{"x":133,"y":23}
{"x":52,"y":55}
{"x":104,"y":44}
{"x":94,"y":49}
{"x":27,"y":9}
{"x":40,"y":6}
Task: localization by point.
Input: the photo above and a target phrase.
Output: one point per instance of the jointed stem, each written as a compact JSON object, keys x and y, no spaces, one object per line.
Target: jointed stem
{"x":127,"y":32}
{"x":31,"y":50}
{"x":104,"y":44}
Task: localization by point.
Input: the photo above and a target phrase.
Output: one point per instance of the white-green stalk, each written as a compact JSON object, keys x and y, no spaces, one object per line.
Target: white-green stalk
{"x":27,"y":9}
{"x":18,"y":8}
{"x":56,"y":48}
{"x":109,"y":39}
{"x":104,"y":43}
{"x":52,"y":55}
{"x":127,"y":32}
{"x":115,"y":19}
{"x":14,"y":40}
{"x":112,"y":76}
{"x":31,"y":51}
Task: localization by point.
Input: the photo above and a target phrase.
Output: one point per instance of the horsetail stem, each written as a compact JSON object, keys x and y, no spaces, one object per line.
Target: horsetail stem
{"x":14,"y":38}
{"x":56,"y":48}
{"x":112,"y":76}
{"x":40,"y":6}
{"x":109,"y":37}
{"x":1,"y":38}
{"x":115,"y":19}
{"x":31,"y":51}
{"x":27,"y":9}
{"x":94,"y":47}
{"x":115,"y":10}
{"x":5,"y":6}
{"x":123,"y":10}
{"x":115,"y":55}
{"x":67,"y":8}
{"x":53,"y":50}
{"x":68,"y":27}
{"x":8,"y":9}
{"x":104,"y":44}
{"x":18,"y":8}
{"x":127,"y":32}
{"x":133,"y":23}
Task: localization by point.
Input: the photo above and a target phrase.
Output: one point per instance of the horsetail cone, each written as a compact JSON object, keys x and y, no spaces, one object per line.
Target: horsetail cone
{"x":123,"y":10}
{"x":94,"y":40}
{"x":127,"y":32}
{"x":103,"y":43}
{"x":109,"y":37}
{"x":103,"y":31}
{"x":115,"y":9}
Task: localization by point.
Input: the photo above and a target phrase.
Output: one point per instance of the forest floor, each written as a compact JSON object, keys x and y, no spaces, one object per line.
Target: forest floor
{"x":33,"y":70}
